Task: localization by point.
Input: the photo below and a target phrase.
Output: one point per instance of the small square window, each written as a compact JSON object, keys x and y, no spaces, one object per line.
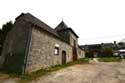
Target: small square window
{"x":56,"y":50}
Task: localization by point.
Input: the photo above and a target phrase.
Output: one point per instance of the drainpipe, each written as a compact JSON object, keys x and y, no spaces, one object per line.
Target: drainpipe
{"x":27,"y":48}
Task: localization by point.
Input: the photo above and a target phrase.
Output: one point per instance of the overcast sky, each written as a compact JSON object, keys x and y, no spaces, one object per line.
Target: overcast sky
{"x":95,"y":21}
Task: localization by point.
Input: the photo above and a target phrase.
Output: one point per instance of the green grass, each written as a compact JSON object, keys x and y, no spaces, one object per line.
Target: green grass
{"x":34,"y":75}
{"x":42,"y":72}
{"x":109,"y":59}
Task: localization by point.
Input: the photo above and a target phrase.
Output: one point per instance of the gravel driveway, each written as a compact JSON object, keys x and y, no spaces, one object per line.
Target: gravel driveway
{"x":88,"y":73}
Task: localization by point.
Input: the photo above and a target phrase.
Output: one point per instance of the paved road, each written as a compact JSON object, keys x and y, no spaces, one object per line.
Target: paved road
{"x":89,"y":73}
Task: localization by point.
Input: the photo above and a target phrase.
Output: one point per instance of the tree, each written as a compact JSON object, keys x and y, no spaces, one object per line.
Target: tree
{"x":6,"y":28}
{"x":0,"y":40}
{"x":4,"y":31}
{"x":107,"y":52}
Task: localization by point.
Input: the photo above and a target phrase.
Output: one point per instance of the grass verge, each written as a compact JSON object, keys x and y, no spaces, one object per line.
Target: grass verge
{"x":109,"y":59}
{"x":34,"y":75}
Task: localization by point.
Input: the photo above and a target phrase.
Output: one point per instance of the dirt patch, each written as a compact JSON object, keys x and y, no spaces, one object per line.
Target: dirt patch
{"x":89,"y":73}
{"x":101,"y":72}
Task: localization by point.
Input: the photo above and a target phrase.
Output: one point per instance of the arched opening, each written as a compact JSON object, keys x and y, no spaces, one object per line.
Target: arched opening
{"x":63,"y":57}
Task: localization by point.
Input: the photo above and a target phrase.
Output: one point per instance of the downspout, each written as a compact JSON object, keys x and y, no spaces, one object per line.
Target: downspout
{"x":27,"y":49}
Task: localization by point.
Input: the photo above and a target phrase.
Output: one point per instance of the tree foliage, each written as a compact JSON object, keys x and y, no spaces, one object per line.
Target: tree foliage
{"x":4,"y":31}
{"x":6,"y":28}
{"x":107,"y":52}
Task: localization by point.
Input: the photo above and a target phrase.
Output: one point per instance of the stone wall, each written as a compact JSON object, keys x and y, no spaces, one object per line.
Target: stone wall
{"x":72,"y":38}
{"x":41,"y":54}
{"x":15,"y":45}
{"x":81,"y":53}
{"x":31,"y":53}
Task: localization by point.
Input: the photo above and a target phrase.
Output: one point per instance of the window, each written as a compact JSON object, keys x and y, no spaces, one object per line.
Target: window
{"x":56,"y":50}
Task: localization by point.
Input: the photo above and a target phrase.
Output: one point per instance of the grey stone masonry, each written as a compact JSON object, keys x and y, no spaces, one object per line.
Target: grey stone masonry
{"x":32,"y":45}
{"x":15,"y":45}
{"x":41,"y":54}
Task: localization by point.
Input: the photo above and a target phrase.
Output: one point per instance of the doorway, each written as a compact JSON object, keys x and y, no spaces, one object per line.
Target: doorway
{"x":74,"y":50}
{"x":63,"y":57}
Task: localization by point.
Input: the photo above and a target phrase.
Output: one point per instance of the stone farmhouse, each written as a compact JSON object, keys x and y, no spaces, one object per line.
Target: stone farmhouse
{"x":32,"y":45}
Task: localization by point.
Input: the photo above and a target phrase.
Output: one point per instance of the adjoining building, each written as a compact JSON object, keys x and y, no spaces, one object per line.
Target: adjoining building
{"x":98,"y":50}
{"x":32,"y":45}
{"x":105,"y":49}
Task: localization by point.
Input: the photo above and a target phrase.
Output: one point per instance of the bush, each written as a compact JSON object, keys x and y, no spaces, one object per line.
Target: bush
{"x":110,"y":59}
{"x":107,"y":52}
{"x":10,"y":65}
{"x":89,"y":54}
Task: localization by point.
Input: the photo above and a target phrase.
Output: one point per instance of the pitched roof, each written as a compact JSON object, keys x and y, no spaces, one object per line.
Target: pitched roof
{"x":39,"y":23}
{"x":91,"y":46}
{"x":63,"y":27}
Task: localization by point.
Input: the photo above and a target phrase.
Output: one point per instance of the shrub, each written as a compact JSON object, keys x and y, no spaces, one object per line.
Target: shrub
{"x":110,"y":59}
{"x":14,"y":62}
{"x":107,"y":52}
{"x":89,"y":54}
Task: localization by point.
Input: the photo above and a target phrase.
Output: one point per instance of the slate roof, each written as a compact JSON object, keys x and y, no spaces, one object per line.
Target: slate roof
{"x":92,"y":46}
{"x":97,"y":46}
{"x":39,"y":23}
{"x":63,"y":27}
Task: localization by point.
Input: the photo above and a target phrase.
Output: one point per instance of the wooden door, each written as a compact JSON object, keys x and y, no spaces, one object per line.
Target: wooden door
{"x":63,"y":57}
{"x":74,"y":50}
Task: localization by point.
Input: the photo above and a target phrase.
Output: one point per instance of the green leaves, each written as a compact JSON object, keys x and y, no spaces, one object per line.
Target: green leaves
{"x":4,"y":31}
